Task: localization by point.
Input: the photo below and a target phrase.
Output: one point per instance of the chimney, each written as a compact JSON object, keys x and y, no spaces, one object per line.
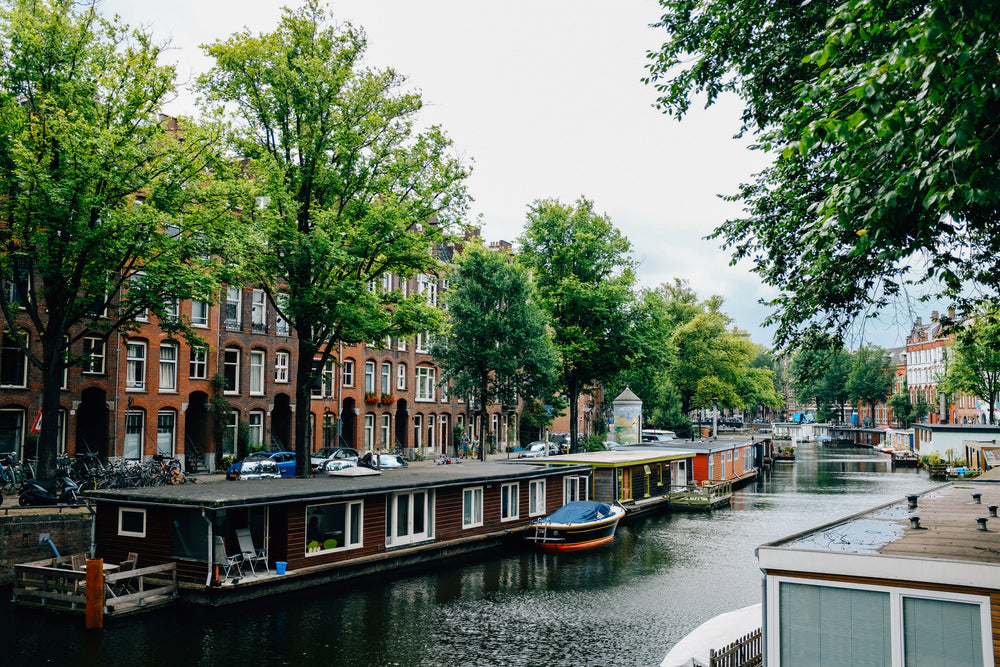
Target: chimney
{"x":951,"y":314}
{"x":934,"y":316}
{"x":920,"y":322}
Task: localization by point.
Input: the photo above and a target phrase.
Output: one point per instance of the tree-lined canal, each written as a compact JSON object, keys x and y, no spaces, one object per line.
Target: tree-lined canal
{"x":626,"y":604}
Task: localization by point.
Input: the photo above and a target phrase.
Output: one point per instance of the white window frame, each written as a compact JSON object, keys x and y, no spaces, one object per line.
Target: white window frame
{"x":95,"y":348}
{"x":168,"y":367}
{"x":370,"y":431}
{"x":14,"y":348}
{"x":418,"y":433}
{"x":574,"y":488}
{"x":347,"y":373}
{"x":401,"y":377}
{"x":386,"y":378}
{"x":394,"y":536}
{"x":257,"y":358}
{"x":896,"y":595}
{"x":425,"y":377}
{"x":510,"y":501}
{"x":227,"y":365}
{"x":472,"y":507}
{"x":200,"y":312}
{"x":386,"y":431}
{"x":135,"y":365}
{"x":198,"y":364}
{"x":166,"y":432}
{"x":172,"y":309}
{"x":255,"y":420}
{"x":131,"y":533}
{"x":281,"y":361}
{"x":536,"y":497}
{"x":422,"y":342}
{"x":281,"y":327}
{"x":234,"y":307}
{"x":370,"y":376}
{"x":135,"y":426}
{"x":258,"y":311}
{"x":349,"y":528}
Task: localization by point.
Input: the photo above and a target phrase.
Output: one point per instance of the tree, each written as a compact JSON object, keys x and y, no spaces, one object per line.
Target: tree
{"x":347,"y":190}
{"x":902,"y":407}
{"x":880,"y":118}
{"x":974,"y":359}
{"x":820,"y":373}
{"x":80,"y":148}
{"x":583,"y":271}
{"x":497,"y":348}
{"x":871,"y":377}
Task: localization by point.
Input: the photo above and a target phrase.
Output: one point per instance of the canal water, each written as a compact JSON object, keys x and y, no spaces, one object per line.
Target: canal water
{"x":625,"y":604}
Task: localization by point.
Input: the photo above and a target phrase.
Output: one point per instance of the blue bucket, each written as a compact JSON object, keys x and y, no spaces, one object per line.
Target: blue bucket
{"x":280,"y":566}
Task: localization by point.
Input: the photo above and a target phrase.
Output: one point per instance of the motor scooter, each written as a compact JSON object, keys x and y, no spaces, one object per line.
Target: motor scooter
{"x":34,"y":492}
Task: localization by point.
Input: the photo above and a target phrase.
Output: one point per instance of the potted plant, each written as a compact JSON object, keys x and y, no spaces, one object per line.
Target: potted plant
{"x":371,"y":398}
{"x":387,"y":399}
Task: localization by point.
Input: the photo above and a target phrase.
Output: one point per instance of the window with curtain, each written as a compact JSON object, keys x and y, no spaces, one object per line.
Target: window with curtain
{"x":168,"y":368}
{"x":472,"y":507}
{"x":941,"y":632}
{"x":824,"y":625}
{"x":256,"y":372}
{"x":135,"y":366}
{"x":165,"y":433}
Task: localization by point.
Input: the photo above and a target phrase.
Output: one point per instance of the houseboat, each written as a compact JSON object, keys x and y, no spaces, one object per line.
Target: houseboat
{"x":639,"y":479}
{"x":912,"y":582}
{"x":234,"y":541}
{"x":581,"y":524}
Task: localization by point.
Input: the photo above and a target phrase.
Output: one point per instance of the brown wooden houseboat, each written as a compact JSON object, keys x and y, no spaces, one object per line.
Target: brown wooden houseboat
{"x":304,"y":532}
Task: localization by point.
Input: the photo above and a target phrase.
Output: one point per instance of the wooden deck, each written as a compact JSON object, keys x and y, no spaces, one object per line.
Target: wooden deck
{"x":53,"y":585}
{"x":701,"y":498}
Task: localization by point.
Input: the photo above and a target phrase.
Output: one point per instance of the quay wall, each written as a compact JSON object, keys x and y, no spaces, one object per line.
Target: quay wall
{"x":70,"y":530}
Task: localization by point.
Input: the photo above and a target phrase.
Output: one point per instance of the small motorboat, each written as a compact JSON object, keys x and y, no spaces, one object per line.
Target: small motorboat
{"x":580,"y":524}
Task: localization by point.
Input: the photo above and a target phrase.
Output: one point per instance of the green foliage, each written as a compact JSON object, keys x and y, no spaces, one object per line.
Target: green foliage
{"x":345,"y":190}
{"x":583,"y":270}
{"x":871,"y":377}
{"x":880,"y":121}
{"x":80,"y":144}
{"x":592,"y":443}
{"x":820,"y":373}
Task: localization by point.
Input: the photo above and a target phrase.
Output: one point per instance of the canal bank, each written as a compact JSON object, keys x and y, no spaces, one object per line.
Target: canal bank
{"x":625,"y":604}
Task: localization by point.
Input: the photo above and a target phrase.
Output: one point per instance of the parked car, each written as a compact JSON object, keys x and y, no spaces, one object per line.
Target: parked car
{"x":257,"y":469}
{"x":609,"y":445}
{"x":382,"y":461}
{"x":536,"y":449}
{"x":321,"y":456}
{"x":284,"y":460}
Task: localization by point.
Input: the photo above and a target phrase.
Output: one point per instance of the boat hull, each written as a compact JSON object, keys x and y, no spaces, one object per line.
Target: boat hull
{"x":559,"y":536}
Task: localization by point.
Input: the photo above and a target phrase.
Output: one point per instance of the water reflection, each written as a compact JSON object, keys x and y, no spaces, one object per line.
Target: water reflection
{"x":625,"y":604}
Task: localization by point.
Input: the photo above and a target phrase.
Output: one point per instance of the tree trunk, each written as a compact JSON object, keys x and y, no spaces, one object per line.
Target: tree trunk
{"x":303,"y":397}
{"x":48,"y":440}
{"x":482,"y":427}
{"x":573,"y":391}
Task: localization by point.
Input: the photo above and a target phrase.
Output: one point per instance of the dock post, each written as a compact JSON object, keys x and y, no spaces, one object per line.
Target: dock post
{"x":95,"y":594}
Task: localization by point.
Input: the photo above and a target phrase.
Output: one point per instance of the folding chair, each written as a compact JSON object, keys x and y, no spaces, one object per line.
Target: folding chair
{"x":249,"y":553}
{"x":124,"y":586}
{"x":79,"y":564}
{"x":223,"y":561}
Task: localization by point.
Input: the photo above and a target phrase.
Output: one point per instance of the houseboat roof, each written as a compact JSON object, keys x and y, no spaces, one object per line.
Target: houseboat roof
{"x":623,"y":456}
{"x":288,"y":490}
{"x":691,"y":447}
{"x":946,"y":545}
{"x":960,"y":428}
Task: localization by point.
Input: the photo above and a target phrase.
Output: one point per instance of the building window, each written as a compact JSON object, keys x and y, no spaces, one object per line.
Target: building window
{"x":199,"y":313}
{"x":423,"y":342}
{"x":472,"y":507}
{"x":229,"y":435}
{"x":172,"y":309}
{"x":231,"y":370}
{"x":386,"y":434}
{"x":11,"y":432}
{"x":444,"y":430}
{"x":401,"y":344}
{"x":324,"y":384}
{"x":137,"y":281}
{"x":536,"y":497}
{"x":234,"y":302}
{"x":199,"y":363}
{"x":347,"y":373}
{"x":256,"y":422}
{"x":574,"y":488}
{"x":409,"y":517}
{"x":369,"y":431}
{"x":508,"y":501}
{"x":165,"y":433}
{"x":425,"y":383}
{"x":135,"y":366}
{"x":418,"y":431}
{"x":280,"y":323}
{"x":401,"y":377}
{"x":369,"y":376}
{"x":256,"y":372}
{"x":94,"y":355}
{"x":430,"y":430}
{"x":19,"y":285}
{"x":281,"y":367}
{"x":13,"y":364}
{"x":168,"y":368}
{"x":134,"y":426}
{"x":131,"y":522}
{"x":333,"y":527}
{"x":258,"y":311}
{"x":427,"y":285}
{"x":386,"y":385}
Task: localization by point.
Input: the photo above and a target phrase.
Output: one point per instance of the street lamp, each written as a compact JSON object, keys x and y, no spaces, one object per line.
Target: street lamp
{"x":715,"y":417}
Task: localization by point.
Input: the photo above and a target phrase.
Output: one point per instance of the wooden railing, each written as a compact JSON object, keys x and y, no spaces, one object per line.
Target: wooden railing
{"x":53,"y":584}
{"x":744,"y":652}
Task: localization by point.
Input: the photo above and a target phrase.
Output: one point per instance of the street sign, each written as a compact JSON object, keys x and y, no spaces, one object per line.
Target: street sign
{"x":37,"y":426}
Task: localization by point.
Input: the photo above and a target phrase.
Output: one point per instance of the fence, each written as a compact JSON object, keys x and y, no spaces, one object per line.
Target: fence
{"x":744,"y":652}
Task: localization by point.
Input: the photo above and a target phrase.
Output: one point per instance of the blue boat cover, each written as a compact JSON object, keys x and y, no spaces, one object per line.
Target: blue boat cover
{"x":580,"y":511}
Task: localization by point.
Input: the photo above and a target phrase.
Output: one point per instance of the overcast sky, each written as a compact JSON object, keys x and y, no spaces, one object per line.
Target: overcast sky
{"x":545,"y":97}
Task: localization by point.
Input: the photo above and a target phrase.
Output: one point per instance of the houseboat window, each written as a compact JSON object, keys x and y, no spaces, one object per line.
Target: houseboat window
{"x":472,"y":507}
{"x":536,"y":497}
{"x":575,"y":488}
{"x":332,"y":527}
{"x":410,"y":518}
{"x":188,"y":538}
{"x":131,"y":522}
{"x":942,"y":632}
{"x":624,"y":486}
{"x":508,"y":501}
